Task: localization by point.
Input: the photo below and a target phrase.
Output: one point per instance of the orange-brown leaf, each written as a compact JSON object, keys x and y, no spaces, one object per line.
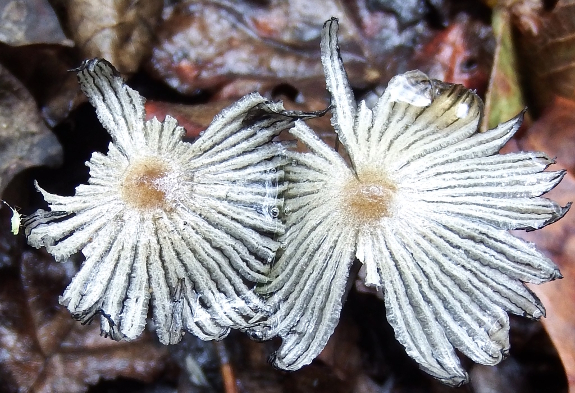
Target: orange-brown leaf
{"x":120,"y":31}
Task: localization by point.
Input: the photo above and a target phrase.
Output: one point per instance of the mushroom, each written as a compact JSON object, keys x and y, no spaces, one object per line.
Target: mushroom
{"x":425,"y":204}
{"x":187,"y":225}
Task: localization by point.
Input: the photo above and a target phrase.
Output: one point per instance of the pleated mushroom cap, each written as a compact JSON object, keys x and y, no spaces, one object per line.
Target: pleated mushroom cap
{"x":425,"y":204}
{"x":188,"y":226}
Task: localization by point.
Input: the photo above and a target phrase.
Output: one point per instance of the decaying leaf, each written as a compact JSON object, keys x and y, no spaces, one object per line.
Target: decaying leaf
{"x":24,"y":139}
{"x":193,"y":118}
{"x":236,"y":47}
{"x":48,"y":79}
{"x":26,"y":22}
{"x":554,"y":131}
{"x":547,"y":55}
{"x":425,"y":204}
{"x":504,"y":96}
{"x":121,"y":31}
{"x":43,"y":350}
{"x":460,"y":53}
{"x":210,"y":44}
{"x":204,"y":45}
{"x":547,"y":58}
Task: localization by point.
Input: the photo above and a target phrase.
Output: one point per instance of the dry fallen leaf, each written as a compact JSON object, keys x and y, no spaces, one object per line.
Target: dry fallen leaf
{"x":25,"y":22}
{"x":47,"y":78}
{"x":254,"y":374}
{"x":558,"y":240}
{"x":121,"y":31}
{"x":24,"y":139}
{"x":547,"y":53}
{"x":554,"y":132}
{"x":44,"y":350}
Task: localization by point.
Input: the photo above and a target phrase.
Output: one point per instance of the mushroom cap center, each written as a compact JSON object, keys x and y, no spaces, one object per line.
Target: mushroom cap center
{"x":367,"y":198}
{"x":145,"y":184}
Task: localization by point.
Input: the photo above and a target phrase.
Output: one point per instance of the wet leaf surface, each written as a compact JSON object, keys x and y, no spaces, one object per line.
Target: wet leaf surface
{"x":24,"y":139}
{"x":206,"y":45}
{"x":554,"y":133}
{"x":461,"y":53}
{"x":264,"y":44}
{"x":547,"y":60}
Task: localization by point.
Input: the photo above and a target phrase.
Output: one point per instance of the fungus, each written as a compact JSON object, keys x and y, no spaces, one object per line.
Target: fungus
{"x":425,"y":204}
{"x":186,"y":225}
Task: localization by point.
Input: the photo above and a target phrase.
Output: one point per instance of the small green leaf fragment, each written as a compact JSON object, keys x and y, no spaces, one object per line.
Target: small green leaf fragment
{"x":504,"y":97}
{"x":15,"y":220}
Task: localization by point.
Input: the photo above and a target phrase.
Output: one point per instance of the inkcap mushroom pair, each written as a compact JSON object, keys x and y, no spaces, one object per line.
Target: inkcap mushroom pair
{"x":236,"y":231}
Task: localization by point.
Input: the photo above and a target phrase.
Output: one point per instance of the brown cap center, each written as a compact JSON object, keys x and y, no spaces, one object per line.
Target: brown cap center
{"x":144,"y":185}
{"x":368,"y":199}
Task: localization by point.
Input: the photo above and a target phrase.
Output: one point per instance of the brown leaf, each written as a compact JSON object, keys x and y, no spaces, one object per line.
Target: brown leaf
{"x":120,"y":31}
{"x":24,"y":139}
{"x":47,"y":77}
{"x":554,"y":133}
{"x":45,"y":350}
{"x":296,"y":22}
{"x":547,"y":52}
{"x":343,"y":341}
{"x":24,"y":22}
{"x":461,"y":53}
{"x":384,"y":37}
{"x":210,"y":44}
{"x":201,"y":46}
{"x":254,"y":374}
{"x":526,"y":14}
{"x":194,"y":118}
{"x":503,"y":378}
{"x":558,"y":241}
{"x":233,"y":48}
{"x":546,"y":42}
